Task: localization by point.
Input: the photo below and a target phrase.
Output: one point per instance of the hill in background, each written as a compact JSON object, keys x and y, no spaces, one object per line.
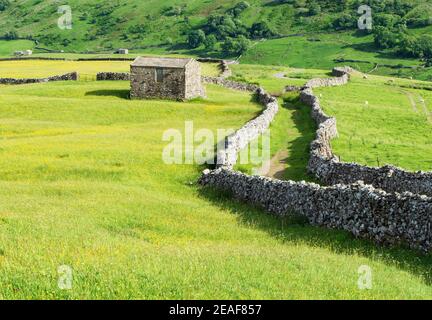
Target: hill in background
{"x":305,"y":33}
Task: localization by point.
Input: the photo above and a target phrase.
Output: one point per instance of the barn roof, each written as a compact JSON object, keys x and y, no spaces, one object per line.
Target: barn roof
{"x":160,"y":62}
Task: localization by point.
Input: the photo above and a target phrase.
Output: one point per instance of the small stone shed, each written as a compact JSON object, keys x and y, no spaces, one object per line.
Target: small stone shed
{"x":166,"y":78}
{"x":122,"y":51}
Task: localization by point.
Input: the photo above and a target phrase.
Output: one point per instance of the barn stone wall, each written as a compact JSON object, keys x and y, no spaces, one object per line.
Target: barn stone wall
{"x":144,"y":84}
{"x":178,"y":83}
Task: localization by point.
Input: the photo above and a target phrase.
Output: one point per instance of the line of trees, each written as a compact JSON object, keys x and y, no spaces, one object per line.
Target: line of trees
{"x":391,"y":32}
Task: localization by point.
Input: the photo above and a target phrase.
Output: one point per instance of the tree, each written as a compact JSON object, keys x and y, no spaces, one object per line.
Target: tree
{"x":314,"y":9}
{"x":196,"y":38}
{"x":223,"y":26}
{"x":235,"y":46}
{"x":408,"y":46}
{"x":238,"y":8}
{"x":386,"y":38}
{"x":424,"y":48}
{"x":261,"y":30}
{"x":210,"y":42}
{"x":4,"y":4}
{"x":345,"y":21}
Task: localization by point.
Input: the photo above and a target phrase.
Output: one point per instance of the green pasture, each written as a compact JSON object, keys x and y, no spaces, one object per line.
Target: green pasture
{"x":83,"y":184}
{"x":380,"y":123}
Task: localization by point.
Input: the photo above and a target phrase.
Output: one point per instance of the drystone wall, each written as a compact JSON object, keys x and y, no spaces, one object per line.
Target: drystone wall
{"x":234,"y":143}
{"x":114,"y":76}
{"x":73,"y":76}
{"x":389,"y":219}
{"x":32,"y":58}
{"x":330,"y":170}
{"x":230,"y":84}
{"x":227,"y":158}
{"x":366,"y":212}
{"x":223,"y":66}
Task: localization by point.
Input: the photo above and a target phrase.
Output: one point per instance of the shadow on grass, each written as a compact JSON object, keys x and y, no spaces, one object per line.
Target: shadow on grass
{"x":296,"y":230}
{"x":298,"y":157}
{"x":123,"y":94}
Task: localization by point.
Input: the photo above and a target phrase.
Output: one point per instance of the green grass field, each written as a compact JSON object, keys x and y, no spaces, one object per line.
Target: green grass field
{"x":381,"y":124}
{"x":83,"y":184}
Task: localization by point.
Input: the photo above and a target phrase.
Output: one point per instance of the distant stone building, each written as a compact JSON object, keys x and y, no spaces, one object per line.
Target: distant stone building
{"x":122,"y":51}
{"x":166,"y":78}
{"x":23,"y":53}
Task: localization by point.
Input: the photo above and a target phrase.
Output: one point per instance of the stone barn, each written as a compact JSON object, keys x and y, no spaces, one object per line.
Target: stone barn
{"x":122,"y":51}
{"x":166,"y":78}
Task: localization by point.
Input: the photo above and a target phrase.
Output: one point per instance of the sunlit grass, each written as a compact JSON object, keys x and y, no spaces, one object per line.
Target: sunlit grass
{"x":82,"y":183}
{"x":380,"y":123}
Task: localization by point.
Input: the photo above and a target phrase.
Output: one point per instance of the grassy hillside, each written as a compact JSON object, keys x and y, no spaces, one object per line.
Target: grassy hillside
{"x":325,"y":50}
{"x":102,"y":25}
{"x":325,"y":30}
{"x":83,"y":184}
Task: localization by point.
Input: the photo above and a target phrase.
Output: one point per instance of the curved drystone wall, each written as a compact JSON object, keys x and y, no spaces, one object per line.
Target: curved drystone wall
{"x":366,"y":212}
{"x":234,"y":143}
{"x":253,"y":129}
{"x":115,"y":76}
{"x":330,"y":170}
{"x":73,"y":76}
{"x":389,"y":219}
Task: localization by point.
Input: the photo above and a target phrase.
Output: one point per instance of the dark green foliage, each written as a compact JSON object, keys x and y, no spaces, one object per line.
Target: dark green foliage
{"x":210,"y":42}
{"x":4,"y":4}
{"x":235,"y":46}
{"x":223,"y":26}
{"x":238,"y":8}
{"x":11,"y":35}
{"x":345,"y":21}
{"x":261,"y":30}
{"x":139,"y":28}
{"x":196,"y":38}
{"x":172,"y":11}
{"x":385,"y":38}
